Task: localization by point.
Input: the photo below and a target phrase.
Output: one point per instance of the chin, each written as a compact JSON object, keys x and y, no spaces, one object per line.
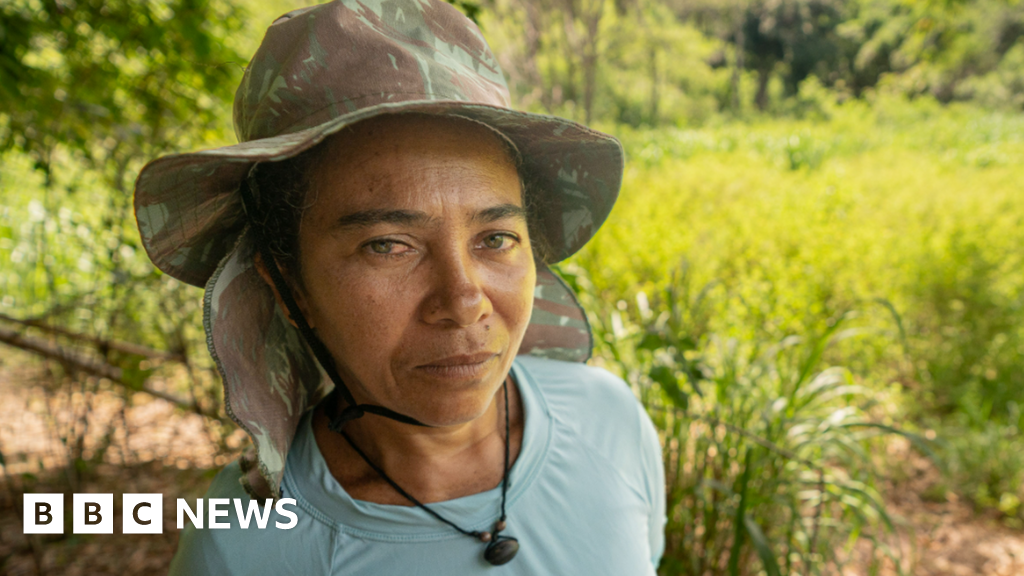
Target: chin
{"x":447,"y":407}
{"x":450,"y":397}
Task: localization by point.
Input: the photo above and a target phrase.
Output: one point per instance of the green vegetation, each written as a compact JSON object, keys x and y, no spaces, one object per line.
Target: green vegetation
{"x":817,"y":246}
{"x":765,"y":454}
{"x":744,"y":263}
{"x":686,"y":62}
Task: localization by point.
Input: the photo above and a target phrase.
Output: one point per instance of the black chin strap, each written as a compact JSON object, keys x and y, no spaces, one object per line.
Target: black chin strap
{"x":352,"y":409}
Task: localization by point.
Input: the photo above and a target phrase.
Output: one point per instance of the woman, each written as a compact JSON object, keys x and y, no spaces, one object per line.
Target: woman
{"x":378,"y":301}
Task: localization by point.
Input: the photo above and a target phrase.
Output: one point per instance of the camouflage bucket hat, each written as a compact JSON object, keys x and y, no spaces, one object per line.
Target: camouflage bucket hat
{"x":317,"y":71}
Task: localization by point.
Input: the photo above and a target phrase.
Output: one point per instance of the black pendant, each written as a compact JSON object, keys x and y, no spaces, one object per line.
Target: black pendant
{"x":501,"y":550}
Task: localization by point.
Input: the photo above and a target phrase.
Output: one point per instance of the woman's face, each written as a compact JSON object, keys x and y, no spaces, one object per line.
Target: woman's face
{"x":416,"y":267}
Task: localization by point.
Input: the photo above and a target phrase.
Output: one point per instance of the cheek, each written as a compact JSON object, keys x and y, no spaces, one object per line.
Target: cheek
{"x":513,"y":299}
{"x":360,"y":316}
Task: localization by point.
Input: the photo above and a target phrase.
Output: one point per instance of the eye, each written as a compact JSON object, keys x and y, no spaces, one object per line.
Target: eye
{"x":381,"y":246}
{"x":385,"y":247}
{"x":501,"y":241}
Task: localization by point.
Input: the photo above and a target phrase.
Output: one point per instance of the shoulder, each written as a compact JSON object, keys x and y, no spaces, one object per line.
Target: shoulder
{"x":596,"y":411}
{"x":203,"y":551}
{"x":595,"y":404}
{"x":227,"y":483}
{"x":252,"y":549}
{"x":571,"y":388}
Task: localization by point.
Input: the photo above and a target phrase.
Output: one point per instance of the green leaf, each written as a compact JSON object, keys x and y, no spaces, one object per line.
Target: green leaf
{"x":651,"y":341}
{"x":132,"y":374}
{"x":666,"y":377}
{"x":764,"y":551}
{"x":741,"y":513}
{"x":921,"y":443}
{"x":469,"y":8}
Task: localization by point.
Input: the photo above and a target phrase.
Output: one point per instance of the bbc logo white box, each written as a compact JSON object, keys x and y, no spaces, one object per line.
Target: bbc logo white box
{"x":93,"y":514}
{"x":142,"y":514}
{"x":43,"y":514}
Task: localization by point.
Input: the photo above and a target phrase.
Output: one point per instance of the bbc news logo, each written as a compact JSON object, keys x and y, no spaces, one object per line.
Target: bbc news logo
{"x":144,"y":513}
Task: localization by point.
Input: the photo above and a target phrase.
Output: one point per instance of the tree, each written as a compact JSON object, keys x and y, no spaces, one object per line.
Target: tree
{"x":944,"y":48}
{"x":113,"y":79}
{"x":566,"y":35}
{"x":91,"y":90}
{"x":789,"y":38}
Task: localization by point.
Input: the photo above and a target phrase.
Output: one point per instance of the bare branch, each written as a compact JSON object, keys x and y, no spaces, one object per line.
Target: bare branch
{"x":100,"y":343}
{"x":95,"y":368}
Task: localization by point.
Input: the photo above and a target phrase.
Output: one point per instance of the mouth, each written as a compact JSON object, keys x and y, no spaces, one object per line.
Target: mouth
{"x":462,"y":366}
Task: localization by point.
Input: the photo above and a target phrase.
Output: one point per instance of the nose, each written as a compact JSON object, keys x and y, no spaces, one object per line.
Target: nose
{"x":457,"y":294}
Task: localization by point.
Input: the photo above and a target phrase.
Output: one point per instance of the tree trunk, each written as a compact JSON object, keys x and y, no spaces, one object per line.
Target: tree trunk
{"x":581,"y":49}
{"x":593,"y":22}
{"x":533,"y":30}
{"x":737,"y":70}
{"x":761,"y":98}
{"x":655,"y":96}
{"x":589,"y":80}
{"x":569,"y":91}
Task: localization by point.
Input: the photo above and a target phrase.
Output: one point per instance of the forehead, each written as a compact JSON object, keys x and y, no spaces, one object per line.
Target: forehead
{"x":415,"y":162}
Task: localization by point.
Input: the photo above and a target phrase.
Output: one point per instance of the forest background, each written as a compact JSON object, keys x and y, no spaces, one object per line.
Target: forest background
{"x":813,"y":277}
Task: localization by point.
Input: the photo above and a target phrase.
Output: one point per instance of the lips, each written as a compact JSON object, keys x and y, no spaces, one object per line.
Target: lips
{"x":460,"y":366}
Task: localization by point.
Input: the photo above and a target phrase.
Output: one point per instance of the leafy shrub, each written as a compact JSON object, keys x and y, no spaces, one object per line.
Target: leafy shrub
{"x":913,"y":206}
{"x":986,"y":461}
{"x":767,"y":450}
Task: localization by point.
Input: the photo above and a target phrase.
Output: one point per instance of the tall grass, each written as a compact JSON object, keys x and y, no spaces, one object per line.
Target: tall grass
{"x":767,"y":448}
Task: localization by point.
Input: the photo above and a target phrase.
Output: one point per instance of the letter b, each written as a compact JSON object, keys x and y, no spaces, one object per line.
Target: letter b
{"x":43,"y":511}
{"x":93,"y":514}
{"x":43,"y":514}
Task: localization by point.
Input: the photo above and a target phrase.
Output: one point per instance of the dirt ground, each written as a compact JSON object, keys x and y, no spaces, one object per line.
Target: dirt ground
{"x":164,"y":451}
{"x":170,"y":452}
{"x":943,"y":536}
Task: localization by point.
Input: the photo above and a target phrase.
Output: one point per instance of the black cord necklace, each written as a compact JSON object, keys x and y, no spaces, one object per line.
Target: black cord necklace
{"x":500,"y":549}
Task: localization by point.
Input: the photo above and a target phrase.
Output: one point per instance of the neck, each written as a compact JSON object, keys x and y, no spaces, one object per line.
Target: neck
{"x":386,"y":440}
{"x":431,"y":463}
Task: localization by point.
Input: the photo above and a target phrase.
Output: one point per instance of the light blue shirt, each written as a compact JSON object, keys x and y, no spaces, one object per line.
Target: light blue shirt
{"x":586,"y":496}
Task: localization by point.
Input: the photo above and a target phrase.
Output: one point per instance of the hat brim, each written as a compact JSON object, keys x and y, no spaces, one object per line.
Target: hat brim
{"x":189,"y":211}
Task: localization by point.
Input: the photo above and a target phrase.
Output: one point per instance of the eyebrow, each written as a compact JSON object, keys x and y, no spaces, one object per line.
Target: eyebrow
{"x":367,"y":218}
{"x":500,"y":212}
